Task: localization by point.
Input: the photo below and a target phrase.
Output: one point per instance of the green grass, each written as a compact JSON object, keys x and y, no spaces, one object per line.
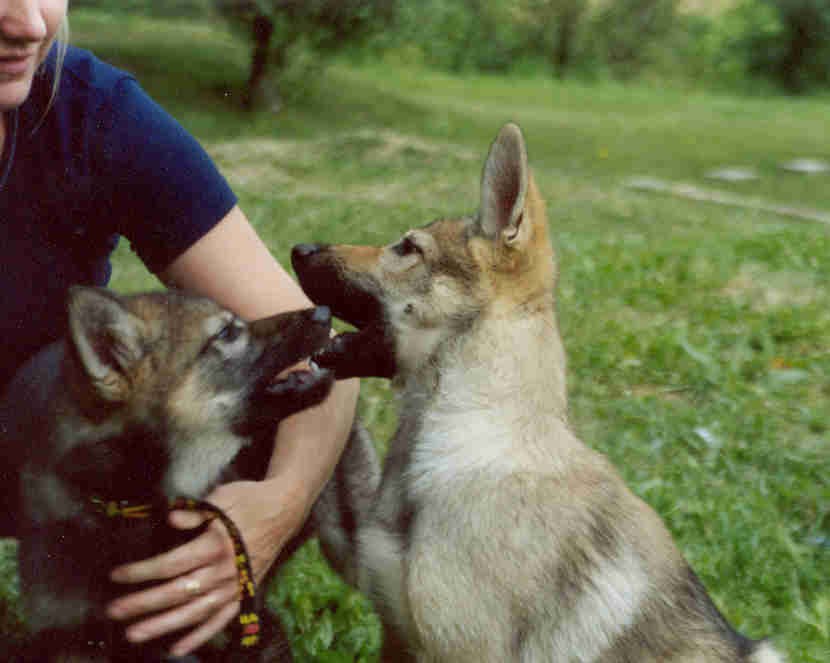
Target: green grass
{"x":698,"y":336}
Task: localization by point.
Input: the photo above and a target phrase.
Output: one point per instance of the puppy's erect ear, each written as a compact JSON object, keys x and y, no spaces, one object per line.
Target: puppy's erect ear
{"x":107,"y":339}
{"x":504,"y":188}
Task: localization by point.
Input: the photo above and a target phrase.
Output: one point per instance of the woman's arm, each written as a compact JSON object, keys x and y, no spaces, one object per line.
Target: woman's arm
{"x":231,"y":265}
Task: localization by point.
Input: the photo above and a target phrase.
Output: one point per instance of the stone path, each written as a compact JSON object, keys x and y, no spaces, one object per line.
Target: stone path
{"x":691,"y":192}
{"x":732,"y":174}
{"x":803,"y":166}
{"x":806,"y":166}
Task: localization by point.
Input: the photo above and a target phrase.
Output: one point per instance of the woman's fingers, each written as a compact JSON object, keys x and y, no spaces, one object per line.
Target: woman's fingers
{"x":185,"y":588}
{"x":201,"y":610}
{"x":202,"y":551}
{"x":206,"y":630}
{"x":196,"y":586}
{"x":202,"y":589}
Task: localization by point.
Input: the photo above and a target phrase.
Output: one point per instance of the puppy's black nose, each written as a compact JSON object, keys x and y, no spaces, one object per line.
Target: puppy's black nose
{"x":305,"y":250}
{"x":321,"y":314}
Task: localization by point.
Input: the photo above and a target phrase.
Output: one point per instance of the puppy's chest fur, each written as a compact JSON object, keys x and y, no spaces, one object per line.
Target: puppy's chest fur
{"x":212,"y":452}
{"x":489,"y":416}
{"x":455,"y":442}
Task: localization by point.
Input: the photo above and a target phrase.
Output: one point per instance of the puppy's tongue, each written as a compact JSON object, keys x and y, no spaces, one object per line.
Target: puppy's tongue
{"x":293,"y":378}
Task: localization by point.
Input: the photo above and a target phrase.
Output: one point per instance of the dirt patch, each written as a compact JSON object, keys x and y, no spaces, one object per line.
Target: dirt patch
{"x":370,"y":144}
{"x":768,"y":290}
{"x":391,"y":144}
{"x":254,"y":150}
{"x":290,"y":169}
{"x":258,"y":166}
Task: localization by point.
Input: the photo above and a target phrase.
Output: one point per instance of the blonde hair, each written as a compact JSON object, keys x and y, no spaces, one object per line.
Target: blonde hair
{"x":61,"y":44}
{"x":62,"y":41}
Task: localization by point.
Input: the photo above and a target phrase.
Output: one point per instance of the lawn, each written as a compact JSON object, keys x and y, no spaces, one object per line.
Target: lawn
{"x":698,"y":336}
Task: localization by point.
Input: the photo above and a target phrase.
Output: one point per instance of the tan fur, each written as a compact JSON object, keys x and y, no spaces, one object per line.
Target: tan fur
{"x":496,"y":534}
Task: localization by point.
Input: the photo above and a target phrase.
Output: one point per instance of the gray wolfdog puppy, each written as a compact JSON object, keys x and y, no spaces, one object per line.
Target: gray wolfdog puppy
{"x":149,"y":397}
{"x":493,"y":533}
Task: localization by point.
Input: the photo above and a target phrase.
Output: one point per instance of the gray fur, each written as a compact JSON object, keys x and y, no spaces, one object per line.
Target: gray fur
{"x":494,"y":533}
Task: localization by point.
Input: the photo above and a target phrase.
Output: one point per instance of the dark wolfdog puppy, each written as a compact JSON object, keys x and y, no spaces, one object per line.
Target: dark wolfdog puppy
{"x":148,"y":398}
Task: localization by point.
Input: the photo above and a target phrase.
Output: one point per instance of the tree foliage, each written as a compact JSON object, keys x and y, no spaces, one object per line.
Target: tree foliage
{"x":784,"y":41}
{"x":552,"y":28}
{"x":563,"y":35}
{"x":455,"y":35}
{"x":274,"y":26}
{"x":159,"y":8}
{"x":794,"y":49}
{"x":628,"y":35}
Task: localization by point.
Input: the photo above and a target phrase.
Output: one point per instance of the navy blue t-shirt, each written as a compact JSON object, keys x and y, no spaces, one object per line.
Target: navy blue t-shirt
{"x":103,"y":161}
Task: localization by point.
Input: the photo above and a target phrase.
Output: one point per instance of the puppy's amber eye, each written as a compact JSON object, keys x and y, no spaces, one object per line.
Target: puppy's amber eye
{"x":407,"y":247}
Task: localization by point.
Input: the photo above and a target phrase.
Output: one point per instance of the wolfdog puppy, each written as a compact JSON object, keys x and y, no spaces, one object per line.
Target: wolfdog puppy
{"x":493,"y":533}
{"x":149,"y":397}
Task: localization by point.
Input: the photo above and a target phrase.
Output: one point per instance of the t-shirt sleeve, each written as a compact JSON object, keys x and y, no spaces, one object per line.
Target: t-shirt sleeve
{"x":166,"y":191}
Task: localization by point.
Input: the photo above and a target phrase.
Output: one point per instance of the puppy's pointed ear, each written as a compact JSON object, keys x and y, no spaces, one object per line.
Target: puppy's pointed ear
{"x":504,"y":189}
{"x":106,"y":338}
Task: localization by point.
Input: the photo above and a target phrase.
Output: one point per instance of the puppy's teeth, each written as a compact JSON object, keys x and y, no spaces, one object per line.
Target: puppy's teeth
{"x":313,"y":366}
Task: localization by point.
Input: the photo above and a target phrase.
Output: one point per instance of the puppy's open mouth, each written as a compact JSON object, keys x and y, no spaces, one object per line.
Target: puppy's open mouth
{"x":287,"y":380}
{"x":368,"y":352}
{"x":284,"y":394}
{"x":297,"y":379}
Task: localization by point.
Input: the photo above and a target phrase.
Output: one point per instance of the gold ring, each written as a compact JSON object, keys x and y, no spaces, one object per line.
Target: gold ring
{"x":192,"y":586}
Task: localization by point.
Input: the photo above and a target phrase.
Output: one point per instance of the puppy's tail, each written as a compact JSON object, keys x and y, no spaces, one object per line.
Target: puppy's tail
{"x":766,"y":653}
{"x":346,"y":500}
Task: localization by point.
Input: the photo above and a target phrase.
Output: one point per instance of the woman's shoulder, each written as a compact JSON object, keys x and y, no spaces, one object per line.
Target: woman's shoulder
{"x":86,"y":86}
{"x":85,"y":72}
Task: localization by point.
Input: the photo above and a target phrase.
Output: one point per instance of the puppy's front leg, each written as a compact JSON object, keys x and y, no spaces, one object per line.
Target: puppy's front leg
{"x":345,"y":502}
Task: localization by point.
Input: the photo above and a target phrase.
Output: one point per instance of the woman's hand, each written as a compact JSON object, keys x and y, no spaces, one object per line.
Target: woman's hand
{"x":202,"y":591}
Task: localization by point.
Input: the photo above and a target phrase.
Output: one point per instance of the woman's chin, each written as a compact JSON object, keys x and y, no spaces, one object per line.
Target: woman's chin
{"x":13,"y":91}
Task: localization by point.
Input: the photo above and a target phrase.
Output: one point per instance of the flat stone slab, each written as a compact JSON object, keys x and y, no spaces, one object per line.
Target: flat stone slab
{"x":732,"y":174}
{"x":691,"y":192}
{"x":806,"y":166}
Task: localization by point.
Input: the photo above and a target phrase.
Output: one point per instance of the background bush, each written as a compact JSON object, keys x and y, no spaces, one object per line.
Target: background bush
{"x":159,"y":8}
{"x":277,"y":27}
{"x":629,"y":35}
{"x":787,"y":41}
{"x":735,"y":42}
{"x":454,"y":35}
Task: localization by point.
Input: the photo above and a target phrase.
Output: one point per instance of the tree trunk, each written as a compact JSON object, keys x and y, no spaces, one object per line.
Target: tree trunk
{"x":800,"y":43}
{"x":262,"y":31}
{"x":563,"y":51}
